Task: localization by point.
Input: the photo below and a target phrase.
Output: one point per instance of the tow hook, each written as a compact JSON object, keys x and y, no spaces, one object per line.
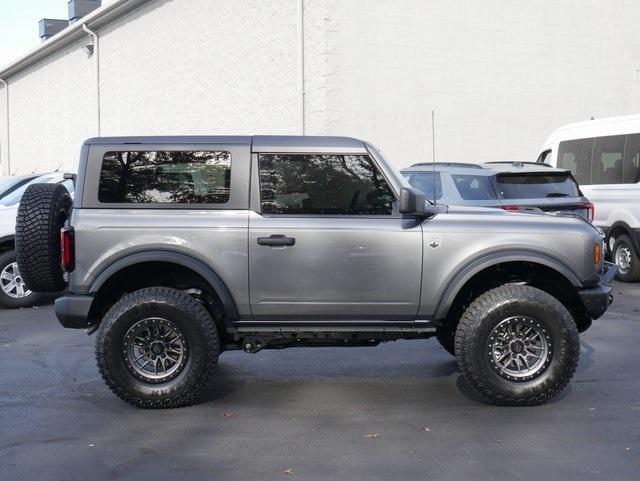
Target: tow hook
{"x":252,"y":346}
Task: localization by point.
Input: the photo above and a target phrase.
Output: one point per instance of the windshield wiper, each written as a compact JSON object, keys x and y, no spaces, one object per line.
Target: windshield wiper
{"x":557,"y":194}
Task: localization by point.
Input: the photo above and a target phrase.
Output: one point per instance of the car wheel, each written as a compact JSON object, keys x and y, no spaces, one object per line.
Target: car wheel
{"x":13,"y":292}
{"x":157,"y":348}
{"x":626,"y":258}
{"x":517,"y":345}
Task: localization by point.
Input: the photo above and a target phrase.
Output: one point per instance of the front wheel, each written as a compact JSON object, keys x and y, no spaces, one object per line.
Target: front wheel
{"x":517,"y":345}
{"x":157,"y":348}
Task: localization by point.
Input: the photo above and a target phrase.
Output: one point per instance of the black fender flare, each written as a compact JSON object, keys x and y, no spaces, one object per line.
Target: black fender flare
{"x":196,"y":265}
{"x":620,"y":224}
{"x":472,"y":268}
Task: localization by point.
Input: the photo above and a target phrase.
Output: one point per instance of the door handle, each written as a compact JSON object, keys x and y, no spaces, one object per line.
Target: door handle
{"x":276,"y":240}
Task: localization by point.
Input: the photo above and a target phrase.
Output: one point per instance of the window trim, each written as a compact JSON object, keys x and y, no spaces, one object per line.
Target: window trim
{"x":238,"y":188}
{"x":257,"y":193}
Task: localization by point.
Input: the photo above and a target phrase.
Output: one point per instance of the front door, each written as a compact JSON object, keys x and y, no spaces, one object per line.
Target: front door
{"x":328,"y":244}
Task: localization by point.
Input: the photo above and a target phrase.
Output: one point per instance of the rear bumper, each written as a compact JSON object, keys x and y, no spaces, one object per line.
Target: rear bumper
{"x":73,"y":310}
{"x":597,"y":299}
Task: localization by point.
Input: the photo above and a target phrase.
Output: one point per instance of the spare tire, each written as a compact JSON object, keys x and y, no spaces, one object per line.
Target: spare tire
{"x":43,"y":210}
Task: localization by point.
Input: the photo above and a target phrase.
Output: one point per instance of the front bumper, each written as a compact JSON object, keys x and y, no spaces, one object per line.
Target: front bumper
{"x":73,"y":310}
{"x":597,"y":299}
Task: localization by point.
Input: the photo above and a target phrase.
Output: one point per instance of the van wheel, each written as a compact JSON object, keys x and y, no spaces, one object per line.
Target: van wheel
{"x":626,"y":258}
{"x":13,"y":292}
{"x":157,"y":348}
{"x":517,"y":345}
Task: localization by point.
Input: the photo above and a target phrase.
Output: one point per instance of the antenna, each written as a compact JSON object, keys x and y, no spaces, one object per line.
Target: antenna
{"x":58,"y":168}
{"x":433,"y":152}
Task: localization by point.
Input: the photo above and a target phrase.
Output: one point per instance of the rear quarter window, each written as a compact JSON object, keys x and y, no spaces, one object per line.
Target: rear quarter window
{"x":165,"y":177}
{"x":474,"y":187}
{"x":536,"y":186}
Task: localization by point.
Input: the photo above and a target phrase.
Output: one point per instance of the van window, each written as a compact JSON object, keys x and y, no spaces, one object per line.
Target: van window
{"x":631,"y":161}
{"x":606,"y":166}
{"x":170,"y":177}
{"x":575,"y":155}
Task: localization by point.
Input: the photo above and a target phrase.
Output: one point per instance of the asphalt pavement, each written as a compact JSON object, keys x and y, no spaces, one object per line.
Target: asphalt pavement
{"x":399,"y":411}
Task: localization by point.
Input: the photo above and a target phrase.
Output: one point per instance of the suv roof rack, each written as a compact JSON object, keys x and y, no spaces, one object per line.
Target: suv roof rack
{"x":447,"y":164}
{"x":518,"y":163}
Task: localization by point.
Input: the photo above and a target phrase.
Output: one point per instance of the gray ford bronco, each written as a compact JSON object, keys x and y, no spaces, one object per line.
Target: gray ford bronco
{"x":176,"y":249}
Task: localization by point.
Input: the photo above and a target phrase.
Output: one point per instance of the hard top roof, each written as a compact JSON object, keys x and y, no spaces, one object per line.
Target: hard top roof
{"x":260,"y":143}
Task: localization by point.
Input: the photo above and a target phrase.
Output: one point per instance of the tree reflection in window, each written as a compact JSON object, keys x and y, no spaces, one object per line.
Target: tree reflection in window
{"x":169,"y":177}
{"x":323,"y":184}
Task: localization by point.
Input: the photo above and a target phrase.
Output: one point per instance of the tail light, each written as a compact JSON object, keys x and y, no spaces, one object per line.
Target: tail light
{"x":511,"y":208}
{"x":67,"y":249}
{"x":591,"y":209}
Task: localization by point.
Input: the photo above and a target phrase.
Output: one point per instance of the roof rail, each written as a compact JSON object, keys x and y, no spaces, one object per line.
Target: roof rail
{"x":519,"y":163}
{"x":447,"y":164}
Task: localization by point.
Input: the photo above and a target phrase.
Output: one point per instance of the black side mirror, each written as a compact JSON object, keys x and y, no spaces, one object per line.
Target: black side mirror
{"x":411,"y":202}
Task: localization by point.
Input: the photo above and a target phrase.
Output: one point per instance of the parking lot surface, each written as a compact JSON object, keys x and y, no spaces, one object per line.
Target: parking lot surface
{"x":396,"y":411}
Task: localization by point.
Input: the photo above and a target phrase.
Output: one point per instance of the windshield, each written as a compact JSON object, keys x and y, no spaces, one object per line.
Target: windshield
{"x":8,"y":184}
{"x":14,"y":197}
{"x":536,"y":186}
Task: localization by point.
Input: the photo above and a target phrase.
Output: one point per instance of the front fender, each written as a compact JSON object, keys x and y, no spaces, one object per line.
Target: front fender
{"x":469,"y":269}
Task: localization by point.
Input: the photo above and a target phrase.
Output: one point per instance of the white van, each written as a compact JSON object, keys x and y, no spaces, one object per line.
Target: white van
{"x":604,"y":157}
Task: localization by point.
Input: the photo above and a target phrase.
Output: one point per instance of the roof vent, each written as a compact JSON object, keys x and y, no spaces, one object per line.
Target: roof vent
{"x":50,"y":26}
{"x":80,"y":8}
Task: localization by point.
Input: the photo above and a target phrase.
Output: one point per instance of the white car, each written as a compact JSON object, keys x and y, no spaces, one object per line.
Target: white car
{"x":13,"y":293}
{"x":604,"y":157}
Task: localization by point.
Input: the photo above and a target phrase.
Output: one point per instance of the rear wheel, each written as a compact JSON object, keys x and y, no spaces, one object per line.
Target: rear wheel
{"x":13,"y":292}
{"x":517,"y":345}
{"x":626,"y":258}
{"x":157,"y":348}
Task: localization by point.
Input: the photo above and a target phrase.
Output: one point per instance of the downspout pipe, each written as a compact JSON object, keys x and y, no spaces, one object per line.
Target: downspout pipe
{"x":6,"y":106}
{"x":301,"y":67}
{"x":95,"y":41}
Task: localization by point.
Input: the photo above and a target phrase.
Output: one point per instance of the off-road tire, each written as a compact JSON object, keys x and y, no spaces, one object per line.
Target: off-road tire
{"x":6,"y":301}
{"x":42,"y":213}
{"x":473,"y":350}
{"x":446,"y":336}
{"x":633,"y":274}
{"x":199,"y":330}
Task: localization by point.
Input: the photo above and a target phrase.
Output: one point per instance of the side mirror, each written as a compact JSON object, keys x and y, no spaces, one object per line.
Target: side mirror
{"x":411,"y":202}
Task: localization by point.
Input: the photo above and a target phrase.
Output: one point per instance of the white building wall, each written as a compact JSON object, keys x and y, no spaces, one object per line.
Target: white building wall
{"x":500,"y":75}
{"x":51,"y":109}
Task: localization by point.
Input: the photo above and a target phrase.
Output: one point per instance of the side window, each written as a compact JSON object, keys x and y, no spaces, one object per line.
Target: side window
{"x":631,"y":161}
{"x":606,"y":166}
{"x":474,"y":187}
{"x":427,"y":182}
{"x":323,"y":184}
{"x":575,"y":155}
{"x":170,"y":177}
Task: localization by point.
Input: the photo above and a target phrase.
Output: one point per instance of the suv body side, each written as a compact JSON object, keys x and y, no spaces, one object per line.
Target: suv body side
{"x":343,"y":269}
